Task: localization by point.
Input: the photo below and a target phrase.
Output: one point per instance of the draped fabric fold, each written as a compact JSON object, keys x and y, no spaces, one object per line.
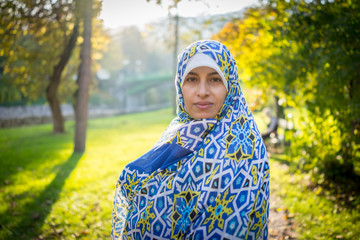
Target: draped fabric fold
{"x":204,"y":179}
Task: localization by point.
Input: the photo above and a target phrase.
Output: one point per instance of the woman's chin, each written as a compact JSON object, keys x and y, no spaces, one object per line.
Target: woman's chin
{"x":204,"y":116}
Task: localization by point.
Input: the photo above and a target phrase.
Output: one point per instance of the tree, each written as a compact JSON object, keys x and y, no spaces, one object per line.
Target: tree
{"x":84,"y":78}
{"x":51,"y":90}
{"x":134,"y":50}
{"x":38,"y":40}
{"x":307,"y":53}
{"x":38,"y":51}
{"x":256,"y":50}
{"x":327,"y":63}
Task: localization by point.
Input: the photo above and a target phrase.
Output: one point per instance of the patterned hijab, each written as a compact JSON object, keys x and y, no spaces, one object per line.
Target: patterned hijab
{"x":204,"y":179}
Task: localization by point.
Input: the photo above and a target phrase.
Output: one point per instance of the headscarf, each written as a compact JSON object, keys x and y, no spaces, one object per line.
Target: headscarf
{"x":205,"y":178}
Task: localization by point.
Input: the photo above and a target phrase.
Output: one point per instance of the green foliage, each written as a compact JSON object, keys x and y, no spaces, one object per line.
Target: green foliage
{"x":327,"y":62}
{"x":34,"y":35}
{"x":308,"y":54}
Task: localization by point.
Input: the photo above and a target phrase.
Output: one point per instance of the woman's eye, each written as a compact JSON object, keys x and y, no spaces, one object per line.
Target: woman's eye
{"x":191,"y":79}
{"x":216,"y":79}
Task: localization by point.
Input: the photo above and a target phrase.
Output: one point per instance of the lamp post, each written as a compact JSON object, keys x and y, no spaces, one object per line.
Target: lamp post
{"x":176,"y":44}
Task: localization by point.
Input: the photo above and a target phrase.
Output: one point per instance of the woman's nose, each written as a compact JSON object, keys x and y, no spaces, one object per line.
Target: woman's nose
{"x":203,"y":88}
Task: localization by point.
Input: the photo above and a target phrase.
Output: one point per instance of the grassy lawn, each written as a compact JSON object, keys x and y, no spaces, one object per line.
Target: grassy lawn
{"x":48,"y":193}
{"x":318,"y":213}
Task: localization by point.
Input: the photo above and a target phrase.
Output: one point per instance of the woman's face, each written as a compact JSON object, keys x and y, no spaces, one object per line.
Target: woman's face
{"x":204,"y":93}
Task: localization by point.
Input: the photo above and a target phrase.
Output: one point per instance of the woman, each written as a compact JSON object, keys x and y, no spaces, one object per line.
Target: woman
{"x":208,"y":175}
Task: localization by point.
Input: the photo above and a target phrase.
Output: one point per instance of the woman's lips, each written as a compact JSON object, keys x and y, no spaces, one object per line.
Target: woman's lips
{"x":203,"y":105}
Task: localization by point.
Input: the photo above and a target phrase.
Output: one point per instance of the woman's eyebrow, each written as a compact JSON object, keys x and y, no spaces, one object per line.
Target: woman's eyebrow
{"x":213,"y":73}
{"x":209,"y":74}
{"x":192,"y":73}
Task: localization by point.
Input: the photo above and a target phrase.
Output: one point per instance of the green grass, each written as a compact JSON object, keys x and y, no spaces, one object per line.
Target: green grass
{"x":46,"y":192}
{"x":317,"y":212}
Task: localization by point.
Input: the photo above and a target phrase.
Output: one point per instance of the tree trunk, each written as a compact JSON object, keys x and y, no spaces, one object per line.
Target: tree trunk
{"x":51,"y":90}
{"x":84,"y":77}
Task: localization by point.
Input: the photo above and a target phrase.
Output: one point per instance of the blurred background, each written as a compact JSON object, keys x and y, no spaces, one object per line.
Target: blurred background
{"x":135,"y":48}
{"x":111,"y":65}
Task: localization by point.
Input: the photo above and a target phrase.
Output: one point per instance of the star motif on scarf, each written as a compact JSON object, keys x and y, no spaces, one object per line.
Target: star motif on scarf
{"x":184,"y":212}
{"x":145,"y":218}
{"x":218,"y":210}
{"x":240,"y":142}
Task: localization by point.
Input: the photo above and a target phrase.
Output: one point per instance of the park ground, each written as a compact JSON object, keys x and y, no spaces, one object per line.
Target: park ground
{"x":47,"y":192}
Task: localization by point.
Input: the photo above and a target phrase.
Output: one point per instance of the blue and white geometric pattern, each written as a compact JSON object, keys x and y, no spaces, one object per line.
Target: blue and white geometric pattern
{"x":204,"y":179}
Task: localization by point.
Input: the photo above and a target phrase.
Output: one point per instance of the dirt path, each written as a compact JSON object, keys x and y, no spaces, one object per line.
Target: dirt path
{"x":281,"y":226}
